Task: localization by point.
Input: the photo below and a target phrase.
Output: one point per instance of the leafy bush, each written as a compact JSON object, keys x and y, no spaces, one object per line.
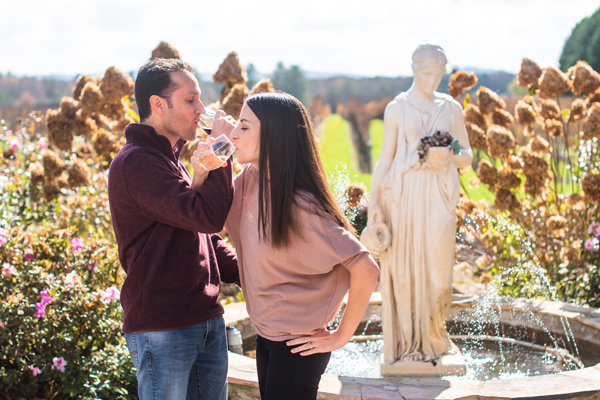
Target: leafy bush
{"x":60,"y":317}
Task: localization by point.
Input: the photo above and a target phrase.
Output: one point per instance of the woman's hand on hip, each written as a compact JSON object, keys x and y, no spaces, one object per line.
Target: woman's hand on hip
{"x":320,"y":341}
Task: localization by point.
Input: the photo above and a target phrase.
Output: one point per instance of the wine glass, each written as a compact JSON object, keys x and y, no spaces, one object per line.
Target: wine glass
{"x":205,"y":121}
{"x":215,"y":152}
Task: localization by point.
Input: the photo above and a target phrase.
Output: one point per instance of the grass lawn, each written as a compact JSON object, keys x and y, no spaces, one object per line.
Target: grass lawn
{"x":339,"y":157}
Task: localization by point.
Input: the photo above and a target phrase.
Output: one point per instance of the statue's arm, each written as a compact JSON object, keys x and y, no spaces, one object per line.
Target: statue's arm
{"x":464,"y":158}
{"x":386,"y":158}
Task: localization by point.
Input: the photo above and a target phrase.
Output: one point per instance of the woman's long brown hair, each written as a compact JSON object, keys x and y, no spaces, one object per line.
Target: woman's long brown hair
{"x":289,"y":164}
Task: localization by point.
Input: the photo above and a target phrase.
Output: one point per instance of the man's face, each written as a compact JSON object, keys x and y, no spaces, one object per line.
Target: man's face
{"x":184,"y":108}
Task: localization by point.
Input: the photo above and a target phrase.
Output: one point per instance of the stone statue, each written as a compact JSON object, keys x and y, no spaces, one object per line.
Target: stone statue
{"x":411,"y":217}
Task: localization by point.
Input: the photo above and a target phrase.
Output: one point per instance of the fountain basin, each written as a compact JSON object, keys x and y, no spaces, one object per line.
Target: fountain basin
{"x":579,"y":384}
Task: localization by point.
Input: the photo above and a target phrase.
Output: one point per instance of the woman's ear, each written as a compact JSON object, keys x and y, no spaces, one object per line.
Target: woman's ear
{"x":157,"y":105}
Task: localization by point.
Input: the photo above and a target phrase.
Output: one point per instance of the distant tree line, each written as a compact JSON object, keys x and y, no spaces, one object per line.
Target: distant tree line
{"x":583,"y":44}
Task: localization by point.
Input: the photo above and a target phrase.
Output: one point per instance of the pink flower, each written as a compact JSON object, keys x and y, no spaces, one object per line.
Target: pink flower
{"x":3,"y":236}
{"x":40,"y":310}
{"x":92,"y":266}
{"x":77,"y":244}
{"x":59,"y":363}
{"x":110,"y":294}
{"x":594,"y":229}
{"x":8,"y":133}
{"x":28,"y":256}
{"x":8,"y":269}
{"x":591,"y":244}
{"x":43,"y":144}
{"x":1,"y":324}
{"x":35,"y":370}
{"x":46,"y":298}
{"x":72,"y":279}
{"x":15,"y":143}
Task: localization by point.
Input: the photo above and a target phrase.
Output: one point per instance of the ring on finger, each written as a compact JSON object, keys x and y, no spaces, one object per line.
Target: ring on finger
{"x":310,"y":346}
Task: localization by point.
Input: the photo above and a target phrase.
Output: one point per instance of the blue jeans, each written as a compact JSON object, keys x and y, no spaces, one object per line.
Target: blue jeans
{"x":188,"y":363}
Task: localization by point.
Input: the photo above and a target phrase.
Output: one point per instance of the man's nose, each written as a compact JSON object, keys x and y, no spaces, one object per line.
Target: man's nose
{"x":201,"y":107}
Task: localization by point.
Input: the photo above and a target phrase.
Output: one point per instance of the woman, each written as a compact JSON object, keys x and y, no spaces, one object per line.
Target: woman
{"x":416,"y":202}
{"x":297,"y":253}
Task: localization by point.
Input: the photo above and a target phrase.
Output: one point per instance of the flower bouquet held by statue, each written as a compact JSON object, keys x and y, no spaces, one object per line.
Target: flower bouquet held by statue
{"x":438,"y":139}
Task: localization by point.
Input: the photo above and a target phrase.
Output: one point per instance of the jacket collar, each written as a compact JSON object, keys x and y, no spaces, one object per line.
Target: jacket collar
{"x":146,"y":135}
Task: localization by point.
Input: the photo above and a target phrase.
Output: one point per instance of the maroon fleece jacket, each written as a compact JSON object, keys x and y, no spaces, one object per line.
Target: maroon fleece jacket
{"x":165,"y":232}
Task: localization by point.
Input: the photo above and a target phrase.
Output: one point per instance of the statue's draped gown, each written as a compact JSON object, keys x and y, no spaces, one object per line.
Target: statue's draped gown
{"x":418,"y":203}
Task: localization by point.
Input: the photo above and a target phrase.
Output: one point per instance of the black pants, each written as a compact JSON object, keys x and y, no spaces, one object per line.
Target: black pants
{"x":286,"y":376}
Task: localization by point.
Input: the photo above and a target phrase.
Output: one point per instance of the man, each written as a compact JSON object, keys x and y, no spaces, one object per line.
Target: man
{"x":165,"y":231}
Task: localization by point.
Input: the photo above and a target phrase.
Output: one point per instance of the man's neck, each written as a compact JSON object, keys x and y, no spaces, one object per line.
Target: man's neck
{"x":160,"y":130}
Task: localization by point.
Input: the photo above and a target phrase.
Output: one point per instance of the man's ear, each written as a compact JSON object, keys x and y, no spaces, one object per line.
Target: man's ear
{"x":157,"y":104}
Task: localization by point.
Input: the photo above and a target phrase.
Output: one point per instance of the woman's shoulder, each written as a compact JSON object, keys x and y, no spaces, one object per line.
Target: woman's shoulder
{"x":446,"y":98}
{"x":248,"y":174}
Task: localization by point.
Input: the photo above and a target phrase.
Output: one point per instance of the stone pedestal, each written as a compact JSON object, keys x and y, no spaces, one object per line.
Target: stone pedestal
{"x":450,"y":364}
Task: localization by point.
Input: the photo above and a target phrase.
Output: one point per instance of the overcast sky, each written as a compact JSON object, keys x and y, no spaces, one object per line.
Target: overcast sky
{"x":369,"y":38}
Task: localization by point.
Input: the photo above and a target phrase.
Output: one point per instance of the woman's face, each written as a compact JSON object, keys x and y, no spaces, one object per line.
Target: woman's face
{"x":429,"y":78}
{"x":246,"y":137}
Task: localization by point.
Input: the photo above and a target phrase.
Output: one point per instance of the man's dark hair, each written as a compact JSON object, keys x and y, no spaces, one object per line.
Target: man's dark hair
{"x":154,"y":78}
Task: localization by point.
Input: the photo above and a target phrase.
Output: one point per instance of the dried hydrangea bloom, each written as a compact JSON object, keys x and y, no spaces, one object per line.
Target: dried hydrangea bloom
{"x":115,"y":85}
{"x":553,"y":127}
{"x":476,"y":137}
{"x":79,"y":174}
{"x":59,"y":130}
{"x":515,"y":163}
{"x":62,"y":181}
{"x":502,"y":118}
{"x":569,"y":254}
{"x":552,"y":83}
{"x":487,"y":174}
{"x":113,"y":111}
{"x":461,"y":81}
{"x":80,"y":83}
{"x":593,"y":98}
{"x":92,"y":99}
{"x":591,"y":127}
{"x":231,"y":71}
{"x":51,"y":191}
{"x":557,"y":225}
{"x":535,"y":170}
{"x":539,"y":146}
{"x":508,"y":179}
{"x":101,"y":121}
{"x":574,"y":200}
{"x":501,"y":142}
{"x":591,"y":188}
{"x":262,"y":86}
{"x":578,"y":110}
{"x":68,"y":107}
{"x":525,"y":114}
{"x":233,"y":102}
{"x":119,"y":126}
{"x":36,"y":171}
{"x":83,"y":126}
{"x":550,"y":110}
{"x":582,"y":78}
{"x":474,"y":116}
{"x":53,"y":165}
{"x":488,"y":100}
{"x":105,"y":144}
{"x":529,"y":74}
{"x":506,"y":200}
{"x":165,"y":50}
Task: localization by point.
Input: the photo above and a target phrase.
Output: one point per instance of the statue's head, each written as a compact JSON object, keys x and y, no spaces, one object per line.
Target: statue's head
{"x":427,"y":56}
{"x":429,"y":66}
